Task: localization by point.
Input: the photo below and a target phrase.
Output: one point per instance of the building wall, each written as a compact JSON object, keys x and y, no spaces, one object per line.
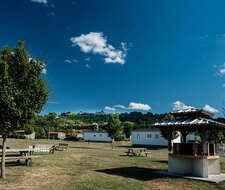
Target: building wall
{"x":96,"y":137}
{"x":193,"y":167}
{"x":192,"y":137}
{"x":30,"y":136}
{"x":61,"y":136}
{"x":149,"y":137}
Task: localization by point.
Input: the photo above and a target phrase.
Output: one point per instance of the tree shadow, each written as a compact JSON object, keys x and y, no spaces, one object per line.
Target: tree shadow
{"x":15,"y":163}
{"x":123,"y":146}
{"x":79,"y":147}
{"x":148,"y":147}
{"x":143,"y":174}
{"x":161,"y":161}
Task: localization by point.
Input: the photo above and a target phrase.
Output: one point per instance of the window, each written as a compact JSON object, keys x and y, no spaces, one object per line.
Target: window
{"x":138,"y":137}
{"x":94,"y":135}
{"x":149,"y":136}
{"x":100,"y":135}
{"x":156,"y":136}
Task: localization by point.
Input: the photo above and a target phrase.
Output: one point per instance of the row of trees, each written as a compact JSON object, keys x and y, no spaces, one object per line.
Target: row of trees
{"x":68,"y":122}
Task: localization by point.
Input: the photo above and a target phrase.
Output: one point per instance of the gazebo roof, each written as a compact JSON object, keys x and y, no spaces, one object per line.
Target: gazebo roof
{"x":192,"y":111}
{"x":189,"y":122}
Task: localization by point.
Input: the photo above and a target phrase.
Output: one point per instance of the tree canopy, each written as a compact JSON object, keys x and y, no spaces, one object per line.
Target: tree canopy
{"x":23,"y":91}
{"x":113,"y":128}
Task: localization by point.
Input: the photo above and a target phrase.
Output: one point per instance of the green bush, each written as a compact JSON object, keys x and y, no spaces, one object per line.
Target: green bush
{"x":120,"y":138}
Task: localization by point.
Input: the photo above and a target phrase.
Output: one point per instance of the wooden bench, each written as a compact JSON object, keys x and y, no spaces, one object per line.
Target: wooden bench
{"x":27,"y":159}
{"x":137,"y":152}
{"x":62,"y":146}
{"x":147,"y":153}
{"x":44,"y":148}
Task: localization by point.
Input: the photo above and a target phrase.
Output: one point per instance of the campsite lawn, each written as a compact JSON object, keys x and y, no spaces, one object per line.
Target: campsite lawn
{"x":95,"y":166}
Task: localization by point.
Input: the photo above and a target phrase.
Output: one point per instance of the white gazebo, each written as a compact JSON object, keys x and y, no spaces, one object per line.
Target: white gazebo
{"x":193,"y":159}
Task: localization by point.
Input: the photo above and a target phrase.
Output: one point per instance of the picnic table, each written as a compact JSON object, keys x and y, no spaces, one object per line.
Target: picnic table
{"x":62,"y":146}
{"x":19,"y":154}
{"x":24,"y":151}
{"x":137,"y":152}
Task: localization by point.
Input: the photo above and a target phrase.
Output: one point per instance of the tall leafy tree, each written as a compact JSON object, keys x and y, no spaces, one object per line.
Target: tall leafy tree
{"x":23,"y":91}
{"x":127,"y":128}
{"x":113,"y":128}
{"x":169,"y":133}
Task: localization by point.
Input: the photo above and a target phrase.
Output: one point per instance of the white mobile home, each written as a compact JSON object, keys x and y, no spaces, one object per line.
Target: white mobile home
{"x":96,"y":136}
{"x":153,"y":137}
{"x":57,"y":135}
{"x":150,"y":137}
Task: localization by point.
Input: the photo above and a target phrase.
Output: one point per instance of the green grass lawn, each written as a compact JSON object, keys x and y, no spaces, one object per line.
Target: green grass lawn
{"x":95,"y":166}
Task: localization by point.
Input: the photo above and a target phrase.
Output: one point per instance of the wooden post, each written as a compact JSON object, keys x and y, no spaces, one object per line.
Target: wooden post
{"x":214,"y":152}
{"x":170,"y":130}
{"x":184,"y":136}
{"x":195,"y":149}
{"x":208,"y":151}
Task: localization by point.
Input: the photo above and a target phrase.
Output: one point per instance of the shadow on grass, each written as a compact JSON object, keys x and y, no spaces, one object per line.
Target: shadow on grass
{"x":161,"y":161}
{"x":143,"y":146}
{"x":79,"y":147}
{"x":143,"y":174}
{"x":123,"y":146}
{"x":15,"y":163}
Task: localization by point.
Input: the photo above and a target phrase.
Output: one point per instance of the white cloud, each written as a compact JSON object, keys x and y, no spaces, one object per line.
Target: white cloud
{"x":67,"y":61}
{"x":178,"y":105}
{"x":51,"y":14}
{"x":120,"y":106}
{"x":44,"y":71}
{"x":221,"y":69}
{"x":87,"y":59}
{"x":210,"y":109}
{"x":134,"y":106}
{"x":96,"y":43}
{"x":109,"y":108}
{"x":88,"y":66}
{"x":75,"y":60}
{"x":40,"y":1}
{"x":52,"y":102}
{"x":139,"y":106}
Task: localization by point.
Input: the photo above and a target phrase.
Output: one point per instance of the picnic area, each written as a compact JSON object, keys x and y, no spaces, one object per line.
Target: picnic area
{"x":86,"y":166}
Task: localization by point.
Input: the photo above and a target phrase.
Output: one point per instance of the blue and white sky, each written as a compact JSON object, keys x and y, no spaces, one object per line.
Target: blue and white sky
{"x":123,"y":55}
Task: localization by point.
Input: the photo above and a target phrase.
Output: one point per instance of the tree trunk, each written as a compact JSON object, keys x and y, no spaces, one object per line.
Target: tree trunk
{"x":112,"y":142}
{"x":3,"y":157}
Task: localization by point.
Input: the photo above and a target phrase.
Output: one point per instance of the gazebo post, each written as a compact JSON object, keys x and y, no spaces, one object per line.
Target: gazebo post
{"x":203,"y":136}
{"x":184,"y":133}
{"x":170,"y":131}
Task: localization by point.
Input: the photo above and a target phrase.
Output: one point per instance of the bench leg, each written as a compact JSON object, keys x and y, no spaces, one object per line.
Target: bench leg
{"x":28,"y":160}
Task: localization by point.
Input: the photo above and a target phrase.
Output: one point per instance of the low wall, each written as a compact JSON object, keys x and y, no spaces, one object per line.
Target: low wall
{"x":199,"y":167}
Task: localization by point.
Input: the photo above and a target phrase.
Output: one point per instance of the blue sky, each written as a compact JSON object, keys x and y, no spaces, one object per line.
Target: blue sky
{"x":141,"y":55}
